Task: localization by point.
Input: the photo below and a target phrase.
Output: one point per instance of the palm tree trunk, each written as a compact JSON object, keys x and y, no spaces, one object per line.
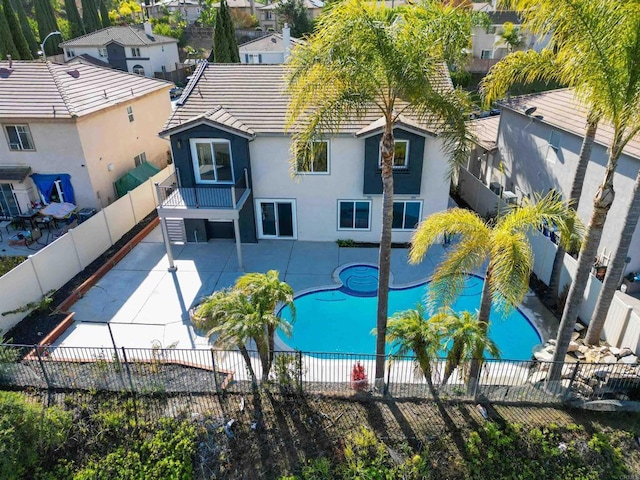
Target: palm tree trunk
{"x":271,"y":332}
{"x":247,"y":360}
{"x":384,"y":259}
{"x":425,"y":366}
{"x":601,"y":205}
{"x":615,"y":268}
{"x":574,"y":198}
{"x":483,"y":317}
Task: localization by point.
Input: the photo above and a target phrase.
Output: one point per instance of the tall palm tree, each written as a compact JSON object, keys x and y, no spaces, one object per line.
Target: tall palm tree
{"x":366,"y":57}
{"x":547,"y":65}
{"x":411,"y":331}
{"x":229,"y":318}
{"x":615,"y":268}
{"x":265,"y":292}
{"x":503,"y":248}
{"x":605,"y":40}
{"x":464,"y":336}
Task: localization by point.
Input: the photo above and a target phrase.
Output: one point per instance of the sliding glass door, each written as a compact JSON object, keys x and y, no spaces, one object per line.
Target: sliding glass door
{"x":276,"y":218}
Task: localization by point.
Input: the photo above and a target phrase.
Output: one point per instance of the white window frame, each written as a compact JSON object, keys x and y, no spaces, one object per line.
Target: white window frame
{"x":136,"y":69}
{"x":102,"y":52}
{"x":135,"y":52}
{"x":130,"y":113}
{"x":353,"y":227}
{"x":254,"y":58}
{"x":294,"y":217}
{"x":406,"y":155}
{"x":404,"y":210}
{"x":312,"y":172}
{"x":19,"y":146}
{"x":194,"y":161}
{"x":488,"y":56}
{"x":140,"y":159}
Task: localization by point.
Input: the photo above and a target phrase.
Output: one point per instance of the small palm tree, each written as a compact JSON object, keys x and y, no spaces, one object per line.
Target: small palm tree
{"x":230,"y":319}
{"x":265,"y":292}
{"x":464,"y":336}
{"x":503,"y":248}
{"x":410,"y":331}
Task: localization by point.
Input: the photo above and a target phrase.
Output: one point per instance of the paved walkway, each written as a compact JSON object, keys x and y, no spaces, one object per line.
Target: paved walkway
{"x":145,"y":304}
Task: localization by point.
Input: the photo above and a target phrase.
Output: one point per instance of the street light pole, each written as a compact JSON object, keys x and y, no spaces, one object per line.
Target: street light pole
{"x":44,"y":54}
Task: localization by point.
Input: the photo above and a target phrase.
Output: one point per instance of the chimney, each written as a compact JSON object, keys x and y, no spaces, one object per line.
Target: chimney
{"x":147,"y":29}
{"x":286,"y":39}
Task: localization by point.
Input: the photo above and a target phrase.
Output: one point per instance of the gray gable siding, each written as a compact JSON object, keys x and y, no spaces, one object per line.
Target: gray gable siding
{"x":405,"y":181}
{"x":117,"y":56}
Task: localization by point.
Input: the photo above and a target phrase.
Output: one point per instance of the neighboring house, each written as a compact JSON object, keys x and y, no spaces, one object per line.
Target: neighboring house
{"x":232,"y":158}
{"x":269,"y":19}
{"x":488,"y":45}
{"x":485,"y":153}
{"x":133,"y":49}
{"x":539,"y":140}
{"x":272,"y":49}
{"x":84,"y":125}
{"x":188,"y":9}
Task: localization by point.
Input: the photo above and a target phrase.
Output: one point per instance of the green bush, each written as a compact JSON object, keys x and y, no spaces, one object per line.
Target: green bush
{"x":29,"y":433}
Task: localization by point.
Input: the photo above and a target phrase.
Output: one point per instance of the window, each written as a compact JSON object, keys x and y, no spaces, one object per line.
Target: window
{"x":135,"y":52}
{"x":212,"y":160}
{"x":140,"y":159}
{"x":267,"y":15}
{"x":102,"y":52}
{"x":8,"y":203}
{"x":400,"y":154}
{"x":253,"y":58}
{"x":138,"y":70}
{"x":71,"y":53}
{"x":354,"y":214}
{"x":19,"y":137}
{"x":130,"y":113}
{"x":276,"y":218}
{"x":486,"y":54}
{"x":319,"y":159}
{"x":406,"y":215}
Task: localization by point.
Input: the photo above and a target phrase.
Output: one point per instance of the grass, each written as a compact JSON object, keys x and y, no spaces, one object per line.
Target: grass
{"x":9,"y":263}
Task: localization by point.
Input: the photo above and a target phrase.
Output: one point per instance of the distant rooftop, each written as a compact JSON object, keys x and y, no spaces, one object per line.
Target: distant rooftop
{"x":269,"y":43}
{"x":129,"y":35}
{"x":35,"y":89}
{"x":485,"y":131}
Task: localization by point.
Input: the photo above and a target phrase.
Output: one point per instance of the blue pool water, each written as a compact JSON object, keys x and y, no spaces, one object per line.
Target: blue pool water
{"x":341,"y":319}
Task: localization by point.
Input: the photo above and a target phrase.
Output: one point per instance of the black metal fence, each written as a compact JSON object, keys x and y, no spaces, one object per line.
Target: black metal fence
{"x":208,"y":371}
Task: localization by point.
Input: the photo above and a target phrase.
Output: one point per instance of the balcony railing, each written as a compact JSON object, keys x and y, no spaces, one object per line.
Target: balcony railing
{"x":172,"y":195}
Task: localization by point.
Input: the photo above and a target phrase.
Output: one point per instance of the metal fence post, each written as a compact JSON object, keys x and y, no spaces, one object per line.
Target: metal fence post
{"x":299,"y":355}
{"x":215,"y":373}
{"x":126,"y":365}
{"x":116,"y":357}
{"x":387,"y":384}
{"x":571,"y":380}
{"x":44,"y":371}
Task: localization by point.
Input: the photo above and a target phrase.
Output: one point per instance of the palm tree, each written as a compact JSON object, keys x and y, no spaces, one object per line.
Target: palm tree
{"x":410,"y":331}
{"x":503,"y":247}
{"x":547,"y":65}
{"x":265,"y":291}
{"x":366,"y":57}
{"x":611,"y":88}
{"x":466,"y":338}
{"x":615,"y":268}
{"x":230,"y":319}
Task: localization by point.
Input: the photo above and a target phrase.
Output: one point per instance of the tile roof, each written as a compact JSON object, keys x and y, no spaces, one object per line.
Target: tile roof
{"x":237,"y":4}
{"x":268,"y":43}
{"x":253,"y":94}
{"x":309,"y":4}
{"x":485,"y":131}
{"x":564,"y":111}
{"x":34,"y":89}
{"x":129,"y":35}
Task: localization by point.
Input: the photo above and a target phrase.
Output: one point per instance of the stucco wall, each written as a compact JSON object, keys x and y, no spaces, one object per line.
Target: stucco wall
{"x":532,"y":166}
{"x":57,"y":150}
{"x":267,"y":57}
{"x":108,"y":138}
{"x":317,"y":195}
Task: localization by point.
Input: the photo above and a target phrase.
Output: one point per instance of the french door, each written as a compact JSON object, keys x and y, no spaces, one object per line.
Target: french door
{"x":276,"y":218}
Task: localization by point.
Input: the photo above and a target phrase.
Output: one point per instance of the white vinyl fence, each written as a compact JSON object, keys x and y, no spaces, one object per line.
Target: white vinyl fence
{"x":57,"y":263}
{"x":622,"y":327}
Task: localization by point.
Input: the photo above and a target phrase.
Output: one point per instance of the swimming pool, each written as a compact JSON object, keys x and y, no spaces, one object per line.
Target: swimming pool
{"x":340,"y":319}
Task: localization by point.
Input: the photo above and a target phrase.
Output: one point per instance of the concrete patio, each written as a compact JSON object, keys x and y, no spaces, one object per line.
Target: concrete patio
{"x":145,"y":304}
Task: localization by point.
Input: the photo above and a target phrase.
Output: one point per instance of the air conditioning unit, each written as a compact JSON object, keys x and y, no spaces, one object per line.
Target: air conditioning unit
{"x":510,"y":197}
{"x":496,"y":188}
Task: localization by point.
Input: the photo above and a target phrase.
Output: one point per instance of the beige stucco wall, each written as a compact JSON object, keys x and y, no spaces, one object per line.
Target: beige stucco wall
{"x":110,"y":142}
{"x":57,"y":150}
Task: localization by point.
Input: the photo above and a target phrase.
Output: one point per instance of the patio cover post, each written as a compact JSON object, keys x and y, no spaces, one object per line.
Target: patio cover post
{"x":236,"y":228}
{"x":167,"y":244}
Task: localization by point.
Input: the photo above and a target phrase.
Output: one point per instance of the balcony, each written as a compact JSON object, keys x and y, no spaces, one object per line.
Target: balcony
{"x":211,"y":201}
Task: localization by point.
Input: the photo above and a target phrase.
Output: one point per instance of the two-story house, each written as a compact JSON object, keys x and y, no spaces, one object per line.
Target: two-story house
{"x":189,"y":10}
{"x":539,"y":139}
{"x":272,"y":49}
{"x":79,"y":127}
{"x":130,"y":48}
{"x":234,"y":177}
{"x":269,"y":19}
